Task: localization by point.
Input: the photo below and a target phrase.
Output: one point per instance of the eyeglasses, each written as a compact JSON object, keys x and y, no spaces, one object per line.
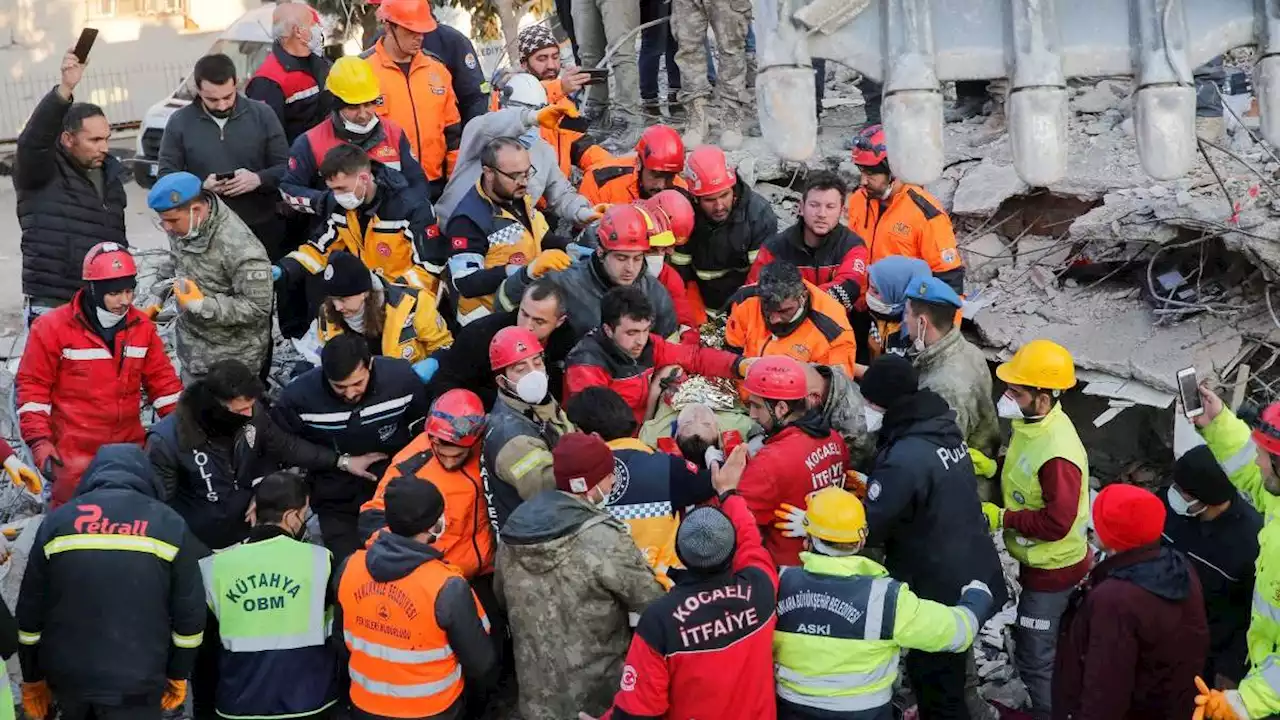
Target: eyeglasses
{"x":865,"y":144}
{"x":519,"y":177}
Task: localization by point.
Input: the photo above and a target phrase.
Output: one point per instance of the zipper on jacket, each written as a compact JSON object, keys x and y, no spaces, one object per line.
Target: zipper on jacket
{"x":417,"y":128}
{"x":475,"y":520}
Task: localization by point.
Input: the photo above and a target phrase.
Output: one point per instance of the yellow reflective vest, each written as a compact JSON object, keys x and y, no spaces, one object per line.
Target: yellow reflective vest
{"x":412,"y":328}
{"x":1031,"y":446}
{"x":386,"y":246}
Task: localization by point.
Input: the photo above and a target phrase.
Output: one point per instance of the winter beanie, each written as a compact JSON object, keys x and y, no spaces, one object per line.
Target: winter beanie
{"x":580,"y":462}
{"x":1199,"y":473}
{"x":534,"y":38}
{"x":346,"y":275}
{"x":413,"y":506}
{"x":1127,"y":517}
{"x":705,"y":540}
{"x":889,"y":378}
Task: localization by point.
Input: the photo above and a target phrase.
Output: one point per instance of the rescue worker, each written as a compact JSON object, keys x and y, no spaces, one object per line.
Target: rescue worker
{"x":525,"y":424}
{"x":575,"y":147}
{"x":898,"y":218}
{"x":207,"y":454}
{"x":291,"y":81}
{"x":523,"y":112}
{"x":222,"y":278}
{"x":841,"y":616}
{"x":354,"y":120}
{"x":440,"y":646}
{"x":278,"y":659}
{"x":655,"y":166}
{"x":782,"y":314}
{"x":801,"y":453}
{"x":465,"y":364}
{"x":952,"y":366}
{"x":1250,"y":460}
{"x":827,"y":253}
{"x":886,"y":299}
{"x":373,"y":214}
{"x":1045,"y":490}
{"x":19,"y":473}
{"x":455,"y":50}
{"x":394,"y":320}
{"x":496,"y":231}
{"x":673,"y":217}
{"x":80,"y":379}
{"x":652,"y":488}
{"x":417,"y":88}
{"x":623,"y":237}
{"x":625,"y":356}
{"x":732,"y":223}
{"x":568,"y":574}
{"x":1134,"y":636}
{"x":730,"y":23}
{"x":359,"y":405}
{"x":705,"y":648}
{"x":111,"y":611}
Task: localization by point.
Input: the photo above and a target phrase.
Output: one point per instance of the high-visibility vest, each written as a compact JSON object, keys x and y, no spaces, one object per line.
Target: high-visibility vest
{"x":385,"y":246}
{"x":412,"y":328}
{"x":508,"y":243}
{"x":401,"y":662}
{"x":1032,"y":445}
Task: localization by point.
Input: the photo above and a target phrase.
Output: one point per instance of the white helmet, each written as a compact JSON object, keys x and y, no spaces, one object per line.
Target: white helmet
{"x":524,"y":90}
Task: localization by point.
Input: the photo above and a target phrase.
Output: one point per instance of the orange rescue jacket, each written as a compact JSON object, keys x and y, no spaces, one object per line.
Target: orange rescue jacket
{"x":911,"y":223}
{"x":824,"y":336}
{"x":422,"y":103}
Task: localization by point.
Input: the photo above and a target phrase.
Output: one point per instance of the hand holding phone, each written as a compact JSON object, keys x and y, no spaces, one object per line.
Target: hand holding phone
{"x":598,"y":75}
{"x":1189,"y":393}
{"x":224,"y":176}
{"x":87,"y":37}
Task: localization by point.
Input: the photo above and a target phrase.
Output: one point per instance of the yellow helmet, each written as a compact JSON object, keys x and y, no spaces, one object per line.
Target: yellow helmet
{"x":352,"y":81}
{"x":836,"y":515}
{"x":1039,"y":364}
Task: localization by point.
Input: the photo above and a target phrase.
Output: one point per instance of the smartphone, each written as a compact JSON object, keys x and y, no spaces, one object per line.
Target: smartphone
{"x":1189,"y":391}
{"x":224,"y":176}
{"x":598,"y":75}
{"x":87,"y":37}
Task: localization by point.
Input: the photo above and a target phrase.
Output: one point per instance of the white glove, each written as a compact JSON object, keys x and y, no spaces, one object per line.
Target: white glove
{"x":975,"y":585}
{"x":792,"y":521}
{"x":713,"y":455}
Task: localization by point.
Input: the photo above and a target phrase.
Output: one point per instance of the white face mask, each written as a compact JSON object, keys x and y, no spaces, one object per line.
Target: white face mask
{"x":193,"y":230}
{"x":653,"y":264}
{"x":1179,"y":505}
{"x":876,"y":305}
{"x":360,"y":129}
{"x":107,"y":319}
{"x":874,"y":418}
{"x":532,"y":388}
{"x":917,"y":344}
{"x":348,"y":200}
{"x":1008,"y":409}
{"x":316,"y":42}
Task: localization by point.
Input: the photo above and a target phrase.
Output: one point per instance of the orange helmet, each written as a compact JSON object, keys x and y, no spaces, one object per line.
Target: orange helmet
{"x":707,"y":171}
{"x":776,"y":377}
{"x":625,"y":228}
{"x":676,"y":208}
{"x":457,"y":417}
{"x":869,"y":148}
{"x":660,"y":149}
{"x":108,"y":261}
{"x":412,"y":15}
{"x":511,"y":345}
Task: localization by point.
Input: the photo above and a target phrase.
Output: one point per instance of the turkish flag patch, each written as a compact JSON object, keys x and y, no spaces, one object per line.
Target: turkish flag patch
{"x":293,"y":163}
{"x":459,"y":243}
{"x":433,"y":231}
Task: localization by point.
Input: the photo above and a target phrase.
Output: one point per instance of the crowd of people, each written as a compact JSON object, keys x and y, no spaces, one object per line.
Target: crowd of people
{"x":485,"y":476}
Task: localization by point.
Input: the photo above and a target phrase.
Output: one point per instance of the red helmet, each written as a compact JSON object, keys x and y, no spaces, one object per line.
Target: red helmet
{"x":457,"y":417}
{"x":108,"y":261}
{"x":707,"y":171}
{"x":869,"y":148}
{"x":659,"y":225}
{"x":677,"y":209}
{"x":1267,"y":434}
{"x":511,"y":345}
{"x":661,"y":150}
{"x":625,"y":228}
{"x":776,"y":377}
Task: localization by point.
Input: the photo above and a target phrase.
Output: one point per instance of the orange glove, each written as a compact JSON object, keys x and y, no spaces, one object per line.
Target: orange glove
{"x":152,"y":311}
{"x":856,"y":483}
{"x":550,"y":116}
{"x":21,"y":474}
{"x":175,"y":692}
{"x":187,"y":292}
{"x":35,"y":699}
{"x":548,"y":261}
{"x":1214,"y":704}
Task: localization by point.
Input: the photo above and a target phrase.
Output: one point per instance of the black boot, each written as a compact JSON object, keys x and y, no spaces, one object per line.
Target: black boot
{"x":674,"y":108}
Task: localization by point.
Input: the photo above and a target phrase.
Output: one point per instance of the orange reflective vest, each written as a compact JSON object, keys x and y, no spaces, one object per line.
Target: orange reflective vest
{"x":423,"y":104}
{"x":911,"y":223}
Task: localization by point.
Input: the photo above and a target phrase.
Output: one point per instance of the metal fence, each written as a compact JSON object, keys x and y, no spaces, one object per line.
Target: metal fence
{"x":124,"y":93}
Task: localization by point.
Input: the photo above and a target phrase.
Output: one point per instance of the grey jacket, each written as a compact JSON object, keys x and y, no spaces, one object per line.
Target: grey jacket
{"x":252,"y":138}
{"x":547,"y":181}
{"x":956,"y":370}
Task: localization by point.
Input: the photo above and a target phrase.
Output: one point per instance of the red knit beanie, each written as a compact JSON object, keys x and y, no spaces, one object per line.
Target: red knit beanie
{"x":1126,"y":517}
{"x":580,"y":462}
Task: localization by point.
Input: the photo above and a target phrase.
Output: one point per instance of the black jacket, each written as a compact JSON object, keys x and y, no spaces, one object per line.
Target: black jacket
{"x":465,"y":364}
{"x":385,"y":420}
{"x":728,"y":246}
{"x":1223,"y":552}
{"x":112,"y":603}
{"x":60,"y":210}
{"x":252,"y":138}
{"x":923,"y":507}
{"x":209,"y":481}
{"x":458,"y":54}
{"x":300,"y":113}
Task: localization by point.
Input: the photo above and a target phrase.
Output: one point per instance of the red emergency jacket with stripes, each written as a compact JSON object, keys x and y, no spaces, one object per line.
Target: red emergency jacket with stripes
{"x":80,"y":394}
{"x":838,"y":265}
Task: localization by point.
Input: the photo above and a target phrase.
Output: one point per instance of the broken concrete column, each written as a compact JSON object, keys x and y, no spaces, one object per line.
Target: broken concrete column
{"x":984,"y":187}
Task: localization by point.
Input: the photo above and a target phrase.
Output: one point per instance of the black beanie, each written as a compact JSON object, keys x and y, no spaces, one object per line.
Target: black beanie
{"x":346,"y":276}
{"x":1199,"y":473}
{"x":413,"y":506}
{"x":889,"y":378}
{"x":100,"y":289}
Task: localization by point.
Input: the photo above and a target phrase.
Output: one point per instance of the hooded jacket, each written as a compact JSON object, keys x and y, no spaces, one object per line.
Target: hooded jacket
{"x":569,"y":574}
{"x":922,"y":504}
{"x":1133,"y":640}
{"x":111,"y":603}
{"x":838,"y":266}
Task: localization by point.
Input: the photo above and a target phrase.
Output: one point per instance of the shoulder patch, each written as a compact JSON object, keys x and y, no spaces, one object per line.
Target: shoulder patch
{"x":368,"y":53}
{"x":826,"y":325}
{"x":930,"y":210}
{"x":608,"y":174}
{"x":414,"y":463}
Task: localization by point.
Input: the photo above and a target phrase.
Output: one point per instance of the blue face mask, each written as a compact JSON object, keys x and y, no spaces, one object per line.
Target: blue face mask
{"x":529,"y":137}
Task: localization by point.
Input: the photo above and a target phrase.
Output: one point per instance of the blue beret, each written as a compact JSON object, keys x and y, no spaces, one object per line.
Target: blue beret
{"x":927,"y":288}
{"x":173,"y":190}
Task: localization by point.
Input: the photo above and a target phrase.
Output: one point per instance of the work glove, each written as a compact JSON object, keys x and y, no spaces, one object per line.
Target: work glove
{"x":426,"y":369}
{"x":792,"y":518}
{"x":21,"y":474}
{"x":35,"y":699}
{"x":188,"y":294}
{"x":578,"y":252}
{"x":549,"y":261}
{"x":976,"y":585}
{"x":46,"y":457}
{"x":856,"y":483}
{"x":995,"y":516}
{"x":152,"y":311}
{"x":276,"y":273}
{"x":982,"y":465}
{"x":550,"y":116}
{"x":586,"y":216}
{"x":175,"y":692}
{"x":1218,"y":704}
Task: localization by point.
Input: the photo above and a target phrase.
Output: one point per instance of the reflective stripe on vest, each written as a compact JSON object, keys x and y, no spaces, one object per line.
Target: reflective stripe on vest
{"x":839,"y":703}
{"x":1030,"y":447}
{"x":1263,"y":607}
{"x":396,"y":655}
{"x":417,"y":690}
{"x":1241,"y":459}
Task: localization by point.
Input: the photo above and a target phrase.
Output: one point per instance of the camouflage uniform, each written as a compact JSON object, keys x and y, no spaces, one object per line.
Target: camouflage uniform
{"x":230,"y":266}
{"x":568,"y":574}
{"x":729,"y":20}
{"x":843,"y":411}
{"x":958,"y":371}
